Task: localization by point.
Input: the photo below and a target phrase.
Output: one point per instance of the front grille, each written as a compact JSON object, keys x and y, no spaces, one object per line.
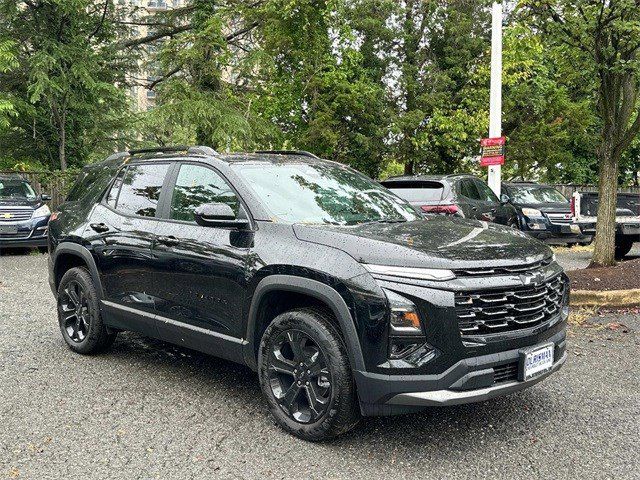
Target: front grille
{"x":495,"y":311}
{"x":560,"y":218}
{"x":505,"y":373}
{"x":15,"y":214}
{"x":15,"y":236}
{"x":530,"y":267}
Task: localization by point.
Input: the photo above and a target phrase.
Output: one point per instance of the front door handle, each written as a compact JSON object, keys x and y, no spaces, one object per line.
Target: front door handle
{"x":99,"y":227}
{"x":170,"y":241}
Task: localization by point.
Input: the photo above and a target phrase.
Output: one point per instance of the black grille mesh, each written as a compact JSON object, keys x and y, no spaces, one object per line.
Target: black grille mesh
{"x":494,"y":311}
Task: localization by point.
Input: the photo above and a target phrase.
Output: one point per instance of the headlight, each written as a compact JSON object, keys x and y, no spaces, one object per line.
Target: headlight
{"x":409,"y":272}
{"x":404,"y":316}
{"x":42,"y":211}
{"x":531,"y":212}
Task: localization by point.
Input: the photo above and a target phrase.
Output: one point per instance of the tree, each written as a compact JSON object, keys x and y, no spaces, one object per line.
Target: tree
{"x":605,"y":36}
{"x":67,"y":84}
{"x":7,"y":62}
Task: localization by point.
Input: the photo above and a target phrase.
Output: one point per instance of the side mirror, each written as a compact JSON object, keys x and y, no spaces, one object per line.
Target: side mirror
{"x":504,"y":198}
{"x":218,"y":215}
{"x":45,"y":197}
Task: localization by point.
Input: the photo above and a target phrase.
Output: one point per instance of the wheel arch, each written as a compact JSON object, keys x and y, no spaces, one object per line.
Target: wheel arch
{"x":69,"y":255}
{"x":322,"y":295}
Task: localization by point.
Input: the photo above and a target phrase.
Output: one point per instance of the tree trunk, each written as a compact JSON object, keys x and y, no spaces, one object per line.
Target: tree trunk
{"x":604,"y":253}
{"x":62,"y":147}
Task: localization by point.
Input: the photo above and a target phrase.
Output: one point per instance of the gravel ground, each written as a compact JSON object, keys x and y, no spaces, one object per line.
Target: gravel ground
{"x":577,"y":258}
{"x":149,"y":410}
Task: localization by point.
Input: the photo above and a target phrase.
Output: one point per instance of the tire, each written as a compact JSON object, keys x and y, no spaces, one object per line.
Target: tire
{"x":325,"y":363}
{"x":79,"y":314}
{"x":623,"y":247}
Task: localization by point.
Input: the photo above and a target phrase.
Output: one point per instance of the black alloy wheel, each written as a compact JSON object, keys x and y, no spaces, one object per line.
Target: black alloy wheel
{"x":79,"y":313}
{"x":74,"y":311}
{"x":305,"y":375}
{"x":299,"y":377}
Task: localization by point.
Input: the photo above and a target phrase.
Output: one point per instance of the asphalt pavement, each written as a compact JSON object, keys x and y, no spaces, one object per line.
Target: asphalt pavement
{"x":149,"y":410}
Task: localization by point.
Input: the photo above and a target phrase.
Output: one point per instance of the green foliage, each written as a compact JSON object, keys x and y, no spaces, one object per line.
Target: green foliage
{"x":66,"y":85}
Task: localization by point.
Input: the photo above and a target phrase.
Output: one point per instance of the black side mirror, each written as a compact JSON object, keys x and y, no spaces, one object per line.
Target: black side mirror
{"x":45,"y":197}
{"x":218,"y":215}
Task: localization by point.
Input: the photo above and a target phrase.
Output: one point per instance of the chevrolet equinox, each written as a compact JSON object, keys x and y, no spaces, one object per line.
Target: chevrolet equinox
{"x":343,"y":298}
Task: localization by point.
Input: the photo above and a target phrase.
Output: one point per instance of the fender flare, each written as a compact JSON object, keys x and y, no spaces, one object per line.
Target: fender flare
{"x":315,"y":289}
{"x":85,"y":255}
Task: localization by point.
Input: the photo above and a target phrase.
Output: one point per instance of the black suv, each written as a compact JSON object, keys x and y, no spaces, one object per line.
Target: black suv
{"x":458,"y":195}
{"x":23,"y":214}
{"x":544,"y":213}
{"x":341,"y":297}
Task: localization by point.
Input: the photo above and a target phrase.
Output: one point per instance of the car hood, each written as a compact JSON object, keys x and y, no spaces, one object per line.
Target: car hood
{"x":435,"y":242}
{"x":20,"y":202}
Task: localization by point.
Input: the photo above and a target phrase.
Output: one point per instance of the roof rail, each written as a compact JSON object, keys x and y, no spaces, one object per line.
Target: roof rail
{"x":197,"y":150}
{"x":202,"y":150}
{"x":302,"y":153}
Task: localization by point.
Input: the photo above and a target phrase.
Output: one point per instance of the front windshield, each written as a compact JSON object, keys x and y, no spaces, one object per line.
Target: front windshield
{"x":16,"y":189}
{"x":322,"y":193}
{"x":536,"y":195}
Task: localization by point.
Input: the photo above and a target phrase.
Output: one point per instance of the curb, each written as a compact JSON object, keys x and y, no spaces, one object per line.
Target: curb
{"x":598,"y":298}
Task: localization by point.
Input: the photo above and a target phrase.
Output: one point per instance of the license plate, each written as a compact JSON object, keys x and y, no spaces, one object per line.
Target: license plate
{"x":8,"y":229}
{"x":537,"y":361}
{"x":575,"y":229}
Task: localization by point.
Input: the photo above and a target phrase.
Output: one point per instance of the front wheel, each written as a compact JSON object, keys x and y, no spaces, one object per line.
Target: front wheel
{"x":306,"y":377}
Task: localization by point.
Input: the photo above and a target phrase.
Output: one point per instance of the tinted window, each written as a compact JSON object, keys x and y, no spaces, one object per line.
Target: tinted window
{"x":485,"y":193}
{"x":301,"y":192}
{"x":468,"y":189}
{"x":141,"y":188}
{"x":112,"y":198}
{"x":91,"y":183}
{"x":417,"y":191}
{"x":197,"y":185}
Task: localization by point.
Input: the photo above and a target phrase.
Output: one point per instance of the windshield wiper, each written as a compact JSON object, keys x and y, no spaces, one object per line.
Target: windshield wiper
{"x":385,"y":220}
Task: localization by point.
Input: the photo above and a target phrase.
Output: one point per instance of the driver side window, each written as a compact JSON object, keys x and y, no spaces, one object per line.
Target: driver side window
{"x":197,"y":185}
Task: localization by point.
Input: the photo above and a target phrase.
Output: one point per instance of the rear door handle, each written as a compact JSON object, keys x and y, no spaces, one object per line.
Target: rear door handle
{"x":99,"y":227}
{"x":170,"y":241}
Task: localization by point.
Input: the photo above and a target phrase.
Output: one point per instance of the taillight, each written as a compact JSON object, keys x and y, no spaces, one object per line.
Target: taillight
{"x":53,"y":216}
{"x":442,"y":209}
{"x":573,"y":206}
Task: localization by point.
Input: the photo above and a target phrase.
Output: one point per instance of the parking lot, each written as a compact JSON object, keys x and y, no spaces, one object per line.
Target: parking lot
{"x":149,"y":410}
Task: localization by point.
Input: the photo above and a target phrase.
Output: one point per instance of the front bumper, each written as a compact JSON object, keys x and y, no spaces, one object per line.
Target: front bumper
{"x":452,"y":397}
{"x":30,"y":233}
{"x":469,"y":380}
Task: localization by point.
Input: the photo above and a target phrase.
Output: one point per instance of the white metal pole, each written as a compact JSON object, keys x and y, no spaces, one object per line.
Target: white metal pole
{"x":495,"y":107}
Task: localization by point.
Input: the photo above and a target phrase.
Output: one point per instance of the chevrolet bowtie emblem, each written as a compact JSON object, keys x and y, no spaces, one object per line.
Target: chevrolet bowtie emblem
{"x":532,"y":278}
{"x":7,"y":215}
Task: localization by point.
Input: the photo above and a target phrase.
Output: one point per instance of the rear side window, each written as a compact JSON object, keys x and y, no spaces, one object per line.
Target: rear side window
{"x":140,"y":188}
{"x":197,"y":185}
{"x":417,"y":191}
{"x":91,"y":183}
{"x":486,"y":194}
{"x":468,"y":189}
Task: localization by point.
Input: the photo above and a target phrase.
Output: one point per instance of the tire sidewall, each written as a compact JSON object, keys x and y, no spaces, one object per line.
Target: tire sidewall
{"x":332,"y":347}
{"x":93,"y":338}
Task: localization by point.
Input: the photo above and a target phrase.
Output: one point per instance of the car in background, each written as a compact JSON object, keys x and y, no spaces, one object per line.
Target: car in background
{"x":458,"y":195}
{"x":544,"y":213}
{"x":24,"y":215}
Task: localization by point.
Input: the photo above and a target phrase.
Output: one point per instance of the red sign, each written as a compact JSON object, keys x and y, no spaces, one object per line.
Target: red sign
{"x":492,"y":151}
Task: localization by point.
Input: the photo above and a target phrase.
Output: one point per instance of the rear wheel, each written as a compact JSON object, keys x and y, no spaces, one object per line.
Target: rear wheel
{"x":306,"y":377}
{"x":623,"y":247}
{"x":79,"y":314}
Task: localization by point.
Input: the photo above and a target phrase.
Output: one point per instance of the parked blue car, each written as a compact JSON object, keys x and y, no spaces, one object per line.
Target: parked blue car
{"x":24,"y":215}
